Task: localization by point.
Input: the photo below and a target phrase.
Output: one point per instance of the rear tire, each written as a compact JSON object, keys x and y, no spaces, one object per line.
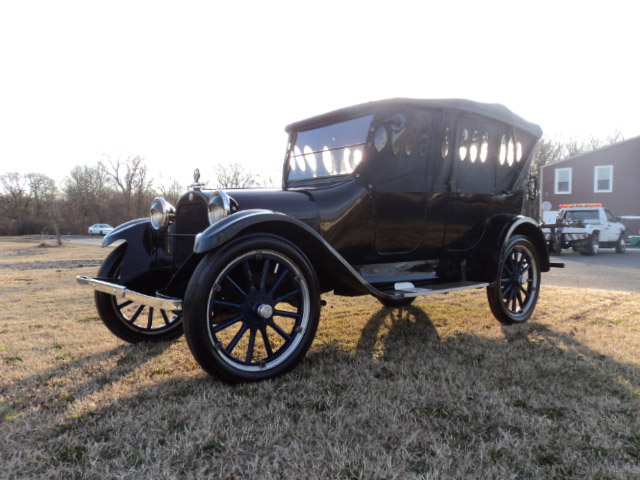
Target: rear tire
{"x":593,"y":246}
{"x":513,"y":296}
{"x":252,"y":309}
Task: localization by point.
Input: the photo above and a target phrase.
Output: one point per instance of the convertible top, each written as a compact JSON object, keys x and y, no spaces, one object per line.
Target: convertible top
{"x":491,"y":110}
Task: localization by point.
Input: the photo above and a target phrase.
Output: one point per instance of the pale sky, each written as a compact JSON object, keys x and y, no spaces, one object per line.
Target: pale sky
{"x":192,"y":84}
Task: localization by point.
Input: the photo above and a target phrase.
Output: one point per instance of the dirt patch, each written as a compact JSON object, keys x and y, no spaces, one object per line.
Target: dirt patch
{"x":47,"y":245}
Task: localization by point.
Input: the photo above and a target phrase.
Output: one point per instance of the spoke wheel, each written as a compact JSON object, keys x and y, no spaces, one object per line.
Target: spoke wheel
{"x":129,"y":320}
{"x":251,"y":311}
{"x":514,"y":295}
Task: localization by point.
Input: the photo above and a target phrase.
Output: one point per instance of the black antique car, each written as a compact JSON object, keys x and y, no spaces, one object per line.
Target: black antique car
{"x":395,"y":199}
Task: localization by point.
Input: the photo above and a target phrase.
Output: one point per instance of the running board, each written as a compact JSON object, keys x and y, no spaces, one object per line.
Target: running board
{"x":408,"y":289}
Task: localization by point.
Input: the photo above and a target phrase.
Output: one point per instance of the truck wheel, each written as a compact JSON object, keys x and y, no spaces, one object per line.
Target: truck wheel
{"x":252,"y":309}
{"x":129,"y":320}
{"x":513,"y":296}
{"x":621,"y":245}
{"x":593,"y":246}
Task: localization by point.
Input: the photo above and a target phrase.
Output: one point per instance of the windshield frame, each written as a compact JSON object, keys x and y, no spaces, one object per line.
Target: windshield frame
{"x":342,"y":168}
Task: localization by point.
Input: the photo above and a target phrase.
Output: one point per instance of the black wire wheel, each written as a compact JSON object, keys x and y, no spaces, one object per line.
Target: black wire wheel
{"x":252,"y":309}
{"x":131,"y":321}
{"x":513,"y":296}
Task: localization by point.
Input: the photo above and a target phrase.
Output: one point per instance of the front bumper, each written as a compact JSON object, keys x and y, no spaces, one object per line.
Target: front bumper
{"x":121,"y":292}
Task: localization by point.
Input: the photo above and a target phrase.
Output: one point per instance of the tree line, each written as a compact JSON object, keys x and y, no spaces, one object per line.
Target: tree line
{"x":111,"y":191}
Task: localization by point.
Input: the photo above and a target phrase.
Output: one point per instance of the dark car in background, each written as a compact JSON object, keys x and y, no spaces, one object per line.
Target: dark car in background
{"x":396,"y":199}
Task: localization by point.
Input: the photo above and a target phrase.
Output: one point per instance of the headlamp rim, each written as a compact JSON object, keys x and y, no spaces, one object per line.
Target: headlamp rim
{"x":167,"y":212}
{"x":226,"y":204}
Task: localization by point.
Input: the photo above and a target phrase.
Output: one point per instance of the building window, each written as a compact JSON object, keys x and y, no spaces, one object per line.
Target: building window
{"x":603,"y":179}
{"x":563,"y":180}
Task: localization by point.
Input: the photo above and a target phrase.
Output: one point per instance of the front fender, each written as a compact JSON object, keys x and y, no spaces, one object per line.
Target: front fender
{"x":332,"y":269}
{"x":131,"y":230}
{"x":142,"y":255}
{"x":227,"y":228}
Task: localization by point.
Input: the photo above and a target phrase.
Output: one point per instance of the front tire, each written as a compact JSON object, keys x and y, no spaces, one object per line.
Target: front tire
{"x":513,"y":296}
{"x":621,"y":245}
{"x":252,"y":309}
{"x":129,"y":320}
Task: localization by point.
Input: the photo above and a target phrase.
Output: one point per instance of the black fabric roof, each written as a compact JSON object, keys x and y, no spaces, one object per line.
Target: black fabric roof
{"x":491,"y":110}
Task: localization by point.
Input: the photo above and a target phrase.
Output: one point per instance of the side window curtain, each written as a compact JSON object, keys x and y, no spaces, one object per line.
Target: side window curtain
{"x":511,"y":160}
{"x":397,"y":164}
{"x":473,"y":156}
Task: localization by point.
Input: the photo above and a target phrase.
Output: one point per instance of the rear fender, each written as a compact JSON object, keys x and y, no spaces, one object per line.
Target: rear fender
{"x":499,"y":230}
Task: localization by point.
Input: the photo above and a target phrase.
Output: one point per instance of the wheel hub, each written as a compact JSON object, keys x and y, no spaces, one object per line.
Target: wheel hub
{"x":264,"y":311}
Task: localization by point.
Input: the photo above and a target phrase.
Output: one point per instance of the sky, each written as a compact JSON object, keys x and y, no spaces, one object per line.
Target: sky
{"x":197,"y":84}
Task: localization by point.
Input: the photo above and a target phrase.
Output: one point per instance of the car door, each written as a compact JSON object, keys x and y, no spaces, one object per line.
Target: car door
{"x":399,"y":198}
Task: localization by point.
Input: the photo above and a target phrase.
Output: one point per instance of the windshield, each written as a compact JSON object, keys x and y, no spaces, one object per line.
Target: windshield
{"x":586,"y":216}
{"x":331,"y":150}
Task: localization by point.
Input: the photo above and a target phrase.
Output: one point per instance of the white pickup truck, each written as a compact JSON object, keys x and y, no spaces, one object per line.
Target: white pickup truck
{"x":585,"y":227}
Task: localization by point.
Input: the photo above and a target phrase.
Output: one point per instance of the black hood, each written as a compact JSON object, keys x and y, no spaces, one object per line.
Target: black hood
{"x":297,"y":204}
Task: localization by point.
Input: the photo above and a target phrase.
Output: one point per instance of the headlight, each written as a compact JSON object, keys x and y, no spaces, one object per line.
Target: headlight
{"x":219,"y":206}
{"x":161,"y":214}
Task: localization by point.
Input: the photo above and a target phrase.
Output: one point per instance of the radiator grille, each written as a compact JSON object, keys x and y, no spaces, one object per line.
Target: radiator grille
{"x":191,"y":219}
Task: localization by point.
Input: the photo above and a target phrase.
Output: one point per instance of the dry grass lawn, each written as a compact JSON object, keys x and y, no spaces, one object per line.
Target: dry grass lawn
{"x":436,"y":390}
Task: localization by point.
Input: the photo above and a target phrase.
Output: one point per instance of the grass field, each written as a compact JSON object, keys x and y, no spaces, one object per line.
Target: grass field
{"x":436,"y":390}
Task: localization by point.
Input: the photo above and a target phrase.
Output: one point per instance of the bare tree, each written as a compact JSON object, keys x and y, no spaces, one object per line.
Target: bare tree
{"x":235,"y":175}
{"x":171,"y":191}
{"x":130,"y":177}
{"x":41,"y":188}
{"x":15,"y":187}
